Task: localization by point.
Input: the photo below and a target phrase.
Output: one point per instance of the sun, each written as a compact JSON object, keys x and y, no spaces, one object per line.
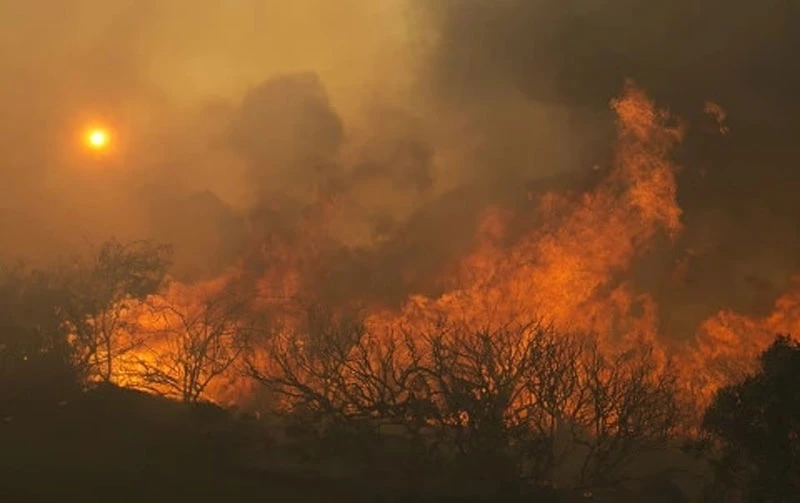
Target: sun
{"x":97,"y":138}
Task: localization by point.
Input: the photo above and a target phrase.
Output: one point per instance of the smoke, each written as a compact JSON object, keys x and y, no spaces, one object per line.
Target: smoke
{"x":741,"y":245}
{"x":180,"y":85}
{"x":289,"y":134}
{"x":576,"y":52}
{"x":351,"y":148}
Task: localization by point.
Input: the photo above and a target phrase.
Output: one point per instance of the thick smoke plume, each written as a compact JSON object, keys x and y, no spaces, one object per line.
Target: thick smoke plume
{"x":741,"y":242}
{"x":360,"y":153}
{"x":177,"y":83}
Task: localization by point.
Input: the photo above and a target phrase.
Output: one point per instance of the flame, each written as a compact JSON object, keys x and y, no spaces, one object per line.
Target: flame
{"x":564,"y":271}
{"x":727,"y":344}
{"x":167,"y":324}
{"x":569,"y":270}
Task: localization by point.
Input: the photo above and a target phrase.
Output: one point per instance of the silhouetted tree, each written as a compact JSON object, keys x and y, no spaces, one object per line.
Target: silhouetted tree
{"x":36,"y":357}
{"x":307,"y":367}
{"x":525,"y":398}
{"x":508,"y":402}
{"x":758,"y":421}
{"x":632,"y":405}
{"x":96,"y":297}
{"x":196,"y":343}
{"x":478,"y":385}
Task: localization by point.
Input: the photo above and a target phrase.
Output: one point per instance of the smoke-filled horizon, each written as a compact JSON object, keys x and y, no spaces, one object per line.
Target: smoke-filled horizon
{"x":365,"y":141}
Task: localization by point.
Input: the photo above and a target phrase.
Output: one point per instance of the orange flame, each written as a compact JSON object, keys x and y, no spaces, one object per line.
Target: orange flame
{"x":568,"y":270}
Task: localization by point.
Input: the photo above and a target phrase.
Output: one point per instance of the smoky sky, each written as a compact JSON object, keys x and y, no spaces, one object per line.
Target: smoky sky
{"x":172,"y":80}
{"x":739,"y":54}
{"x":236,"y":119}
{"x":577,"y":52}
{"x":738,"y":191}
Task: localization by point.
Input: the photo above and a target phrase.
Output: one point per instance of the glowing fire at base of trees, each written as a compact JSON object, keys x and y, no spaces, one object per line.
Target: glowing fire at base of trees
{"x":539,"y":343}
{"x":564,"y":272}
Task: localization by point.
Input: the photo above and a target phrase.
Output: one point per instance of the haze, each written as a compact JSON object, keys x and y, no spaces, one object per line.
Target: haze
{"x":386,"y":107}
{"x":534,"y":249}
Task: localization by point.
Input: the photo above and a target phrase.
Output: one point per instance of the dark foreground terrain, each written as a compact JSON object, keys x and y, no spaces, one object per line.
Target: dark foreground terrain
{"x":117,"y":445}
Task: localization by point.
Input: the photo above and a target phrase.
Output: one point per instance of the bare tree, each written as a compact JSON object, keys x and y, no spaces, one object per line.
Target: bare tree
{"x":196,"y":344}
{"x":36,"y":359}
{"x":632,"y":406}
{"x":476,"y":382}
{"x":97,"y":296}
{"x":553,"y":401}
{"x":516,"y":400}
{"x":306,"y":367}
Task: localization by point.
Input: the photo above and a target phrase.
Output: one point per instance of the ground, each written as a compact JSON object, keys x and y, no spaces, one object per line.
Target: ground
{"x":119,"y":445}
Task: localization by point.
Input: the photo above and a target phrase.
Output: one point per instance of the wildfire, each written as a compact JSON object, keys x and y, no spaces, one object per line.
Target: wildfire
{"x":563,"y":272}
{"x":728,"y":343}
{"x":569,"y":270}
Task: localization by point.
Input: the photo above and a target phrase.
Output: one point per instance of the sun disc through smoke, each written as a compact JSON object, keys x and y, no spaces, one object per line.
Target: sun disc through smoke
{"x":97,"y":139}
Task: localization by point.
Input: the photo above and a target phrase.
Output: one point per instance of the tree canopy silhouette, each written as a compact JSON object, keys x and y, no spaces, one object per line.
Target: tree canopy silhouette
{"x":96,"y":294}
{"x":36,"y":359}
{"x":60,"y":327}
{"x":758,"y":420}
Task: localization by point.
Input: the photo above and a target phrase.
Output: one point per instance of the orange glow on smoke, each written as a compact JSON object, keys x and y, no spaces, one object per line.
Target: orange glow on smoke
{"x":563,"y":271}
{"x":568,"y":270}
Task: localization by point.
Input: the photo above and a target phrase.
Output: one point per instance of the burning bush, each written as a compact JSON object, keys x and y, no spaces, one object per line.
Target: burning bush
{"x":523,"y":400}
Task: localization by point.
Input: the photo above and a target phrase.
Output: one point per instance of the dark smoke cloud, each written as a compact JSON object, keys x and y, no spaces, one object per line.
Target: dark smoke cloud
{"x":742,"y":218}
{"x":385,"y":128}
{"x":169,"y":78}
{"x":578,"y":52}
{"x":289,"y":134}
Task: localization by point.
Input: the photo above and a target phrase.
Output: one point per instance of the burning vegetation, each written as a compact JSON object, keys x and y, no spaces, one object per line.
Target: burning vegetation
{"x":565,"y":266}
{"x":532,"y":355}
{"x":431,"y":244}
